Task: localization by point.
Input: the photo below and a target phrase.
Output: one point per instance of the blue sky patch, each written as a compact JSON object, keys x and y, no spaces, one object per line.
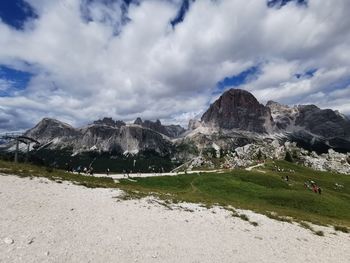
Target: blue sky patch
{"x":307,"y":74}
{"x":16,"y":12}
{"x":18,"y":80}
{"x":237,"y":80}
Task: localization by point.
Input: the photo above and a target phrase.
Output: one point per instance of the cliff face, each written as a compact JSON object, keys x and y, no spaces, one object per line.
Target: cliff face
{"x":54,"y":134}
{"x":239,"y":109}
{"x":313,"y":128}
{"x":326,"y":123}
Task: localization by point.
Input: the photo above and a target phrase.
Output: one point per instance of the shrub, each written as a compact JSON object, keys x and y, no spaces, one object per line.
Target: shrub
{"x":244,"y":217}
{"x":49,"y":169}
{"x":342,"y":229}
{"x":319,"y":233}
{"x":289,"y":157}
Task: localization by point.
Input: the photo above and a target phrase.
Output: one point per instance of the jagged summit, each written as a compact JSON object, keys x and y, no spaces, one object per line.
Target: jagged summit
{"x":104,"y":135}
{"x":171,"y":131}
{"x":239,"y":109}
{"x":110,"y":122}
{"x":138,"y":121}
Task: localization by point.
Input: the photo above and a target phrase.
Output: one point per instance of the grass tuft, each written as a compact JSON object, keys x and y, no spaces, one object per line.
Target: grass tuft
{"x":341,"y":229}
{"x":309,"y":227}
{"x":306,"y":226}
{"x":244,"y":217}
{"x":254,"y":223}
{"x":319,"y":233}
{"x":278,"y":218}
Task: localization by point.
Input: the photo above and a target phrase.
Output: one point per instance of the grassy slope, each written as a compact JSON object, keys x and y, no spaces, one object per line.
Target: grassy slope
{"x":261,"y":192}
{"x":27,"y":170}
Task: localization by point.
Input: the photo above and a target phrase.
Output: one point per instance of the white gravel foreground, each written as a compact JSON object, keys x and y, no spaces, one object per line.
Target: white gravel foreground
{"x":43,"y":221}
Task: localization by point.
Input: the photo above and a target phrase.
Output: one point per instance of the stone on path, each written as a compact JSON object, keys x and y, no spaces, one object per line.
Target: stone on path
{"x":8,"y":241}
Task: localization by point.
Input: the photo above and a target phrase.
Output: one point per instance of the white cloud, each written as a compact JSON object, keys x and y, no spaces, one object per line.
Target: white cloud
{"x":5,"y":85}
{"x":84,"y":70}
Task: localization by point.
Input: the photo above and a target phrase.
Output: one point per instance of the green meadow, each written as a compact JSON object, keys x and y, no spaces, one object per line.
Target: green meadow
{"x":262,"y":190}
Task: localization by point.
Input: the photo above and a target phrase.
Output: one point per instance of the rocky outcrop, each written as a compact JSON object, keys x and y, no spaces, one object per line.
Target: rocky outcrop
{"x":239,"y":109}
{"x":283,"y":115}
{"x":194,"y":124}
{"x":330,"y":161}
{"x":311,"y":127}
{"x":250,"y":154}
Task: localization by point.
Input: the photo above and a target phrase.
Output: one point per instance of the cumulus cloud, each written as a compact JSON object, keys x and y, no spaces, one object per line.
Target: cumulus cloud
{"x":98,"y":58}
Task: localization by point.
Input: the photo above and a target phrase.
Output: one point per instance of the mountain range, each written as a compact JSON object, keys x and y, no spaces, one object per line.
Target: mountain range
{"x":234,"y":120}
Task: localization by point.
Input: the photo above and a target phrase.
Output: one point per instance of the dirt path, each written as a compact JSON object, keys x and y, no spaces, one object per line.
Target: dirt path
{"x":42,"y":221}
{"x":254,"y":166}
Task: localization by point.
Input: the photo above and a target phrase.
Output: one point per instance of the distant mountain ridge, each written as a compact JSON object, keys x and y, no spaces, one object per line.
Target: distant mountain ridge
{"x":235,"y":119}
{"x":103,"y":135}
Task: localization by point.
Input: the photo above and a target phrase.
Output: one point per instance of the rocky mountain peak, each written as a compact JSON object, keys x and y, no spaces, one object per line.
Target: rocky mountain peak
{"x":168,"y":130}
{"x":323,"y":122}
{"x":239,"y":109}
{"x":109,"y":122}
{"x":53,"y":123}
{"x":49,"y":128}
{"x":138,"y":121}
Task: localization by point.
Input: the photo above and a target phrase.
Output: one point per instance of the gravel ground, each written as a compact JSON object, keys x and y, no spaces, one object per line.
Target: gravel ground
{"x":42,"y":221}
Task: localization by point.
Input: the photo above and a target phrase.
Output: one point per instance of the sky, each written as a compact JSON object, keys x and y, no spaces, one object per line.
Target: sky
{"x":81,"y":60}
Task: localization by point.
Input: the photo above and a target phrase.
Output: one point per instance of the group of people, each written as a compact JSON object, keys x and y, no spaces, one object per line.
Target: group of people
{"x":313,"y":187}
{"x":278,"y":169}
{"x":85,"y":170}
